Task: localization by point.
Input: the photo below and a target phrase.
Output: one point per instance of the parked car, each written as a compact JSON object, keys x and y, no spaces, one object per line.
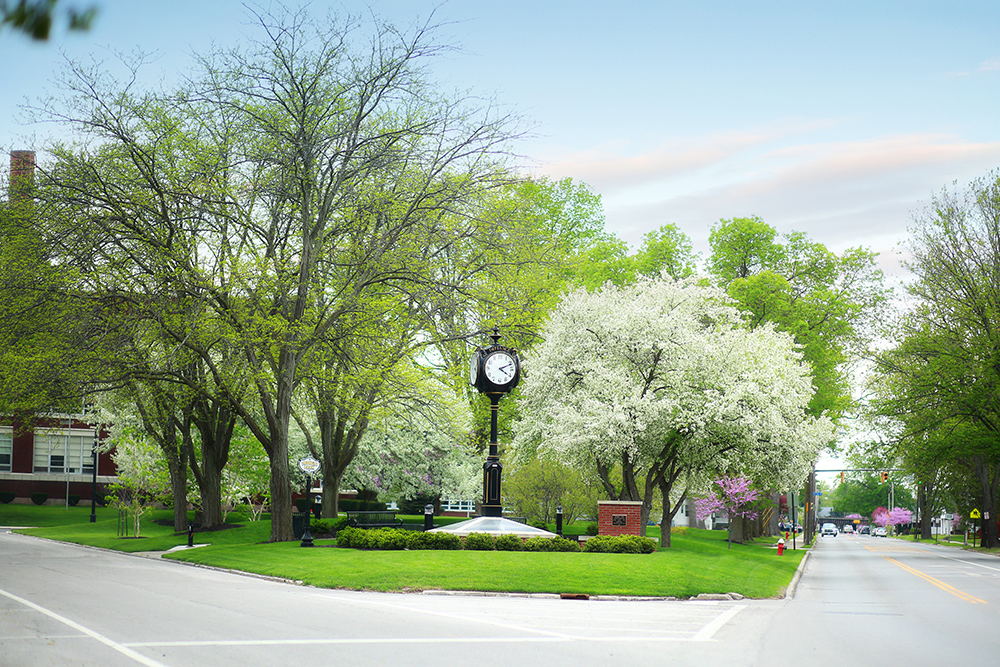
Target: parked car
{"x":829,"y":529}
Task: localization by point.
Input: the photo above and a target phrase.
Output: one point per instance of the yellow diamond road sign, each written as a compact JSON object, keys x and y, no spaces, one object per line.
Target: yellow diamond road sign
{"x":974,"y":514}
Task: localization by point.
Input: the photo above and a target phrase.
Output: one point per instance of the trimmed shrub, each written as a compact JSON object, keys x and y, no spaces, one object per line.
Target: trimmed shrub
{"x":320,"y":526}
{"x":509,"y":542}
{"x":436,"y":541}
{"x":39,"y":498}
{"x":73,"y":499}
{"x":553,"y":544}
{"x":479,"y":542}
{"x":592,"y":529}
{"x":6,"y":496}
{"x":360,"y":505}
{"x":354,"y":538}
{"x":391,"y":539}
{"x":561,"y":544}
{"x":620,"y":544}
{"x":338,"y":524}
{"x":301,"y":505}
{"x":538,"y":523}
{"x":395,"y":539}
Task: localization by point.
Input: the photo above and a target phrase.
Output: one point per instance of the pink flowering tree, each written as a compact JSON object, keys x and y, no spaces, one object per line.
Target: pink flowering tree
{"x":894,"y":517}
{"x":733,"y":496}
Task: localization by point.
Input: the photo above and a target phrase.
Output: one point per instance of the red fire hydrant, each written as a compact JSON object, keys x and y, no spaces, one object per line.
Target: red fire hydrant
{"x":781,"y":546}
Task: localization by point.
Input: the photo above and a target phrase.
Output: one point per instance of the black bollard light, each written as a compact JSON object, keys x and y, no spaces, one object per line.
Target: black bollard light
{"x":428,"y":516}
{"x":559,"y":520}
{"x":190,"y":535}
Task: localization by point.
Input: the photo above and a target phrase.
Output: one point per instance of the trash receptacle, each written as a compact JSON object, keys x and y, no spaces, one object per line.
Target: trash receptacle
{"x":298,"y":521}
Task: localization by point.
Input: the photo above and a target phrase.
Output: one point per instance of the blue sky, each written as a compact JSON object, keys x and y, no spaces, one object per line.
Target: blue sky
{"x":836,"y":119}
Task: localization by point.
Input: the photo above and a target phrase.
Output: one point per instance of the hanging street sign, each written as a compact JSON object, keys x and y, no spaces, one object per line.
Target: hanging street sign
{"x":309,"y":465}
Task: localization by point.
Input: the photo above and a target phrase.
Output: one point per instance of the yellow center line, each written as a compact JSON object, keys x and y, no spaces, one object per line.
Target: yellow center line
{"x":937,"y":582}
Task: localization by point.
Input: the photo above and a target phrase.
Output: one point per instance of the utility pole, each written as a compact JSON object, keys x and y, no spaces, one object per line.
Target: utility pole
{"x":809,"y":521}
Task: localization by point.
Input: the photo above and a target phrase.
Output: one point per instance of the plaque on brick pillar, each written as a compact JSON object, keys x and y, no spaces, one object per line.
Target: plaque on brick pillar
{"x":619,"y":517}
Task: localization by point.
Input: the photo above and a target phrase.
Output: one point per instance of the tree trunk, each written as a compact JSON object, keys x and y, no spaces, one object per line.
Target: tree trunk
{"x":988,"y":475}
{"x":210,"y":486}
{"x":277,"y":452}
{"x":215,"y":423}
{"x":737,"y":530}
{"x":924,"y":506}
{"x":177,"y":467}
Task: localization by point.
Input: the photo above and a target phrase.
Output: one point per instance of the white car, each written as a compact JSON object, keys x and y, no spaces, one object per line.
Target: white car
{"x":848,"y":528}
{"x":879,"y":532}
{"x":829,"y":529}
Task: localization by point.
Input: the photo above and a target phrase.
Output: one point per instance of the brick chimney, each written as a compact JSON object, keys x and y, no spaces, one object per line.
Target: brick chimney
{"x":22,"y":175}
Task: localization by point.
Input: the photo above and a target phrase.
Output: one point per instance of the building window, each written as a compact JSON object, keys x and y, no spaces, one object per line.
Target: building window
{"x":458,"y":505}
{"x":64,"y":452}
{"x":6,"y":448}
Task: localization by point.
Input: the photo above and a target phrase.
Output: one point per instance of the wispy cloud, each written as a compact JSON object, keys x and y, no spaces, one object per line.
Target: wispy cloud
{"x":991,"y":65}
{"x":842,"y":193}
{"x":620,"y":165}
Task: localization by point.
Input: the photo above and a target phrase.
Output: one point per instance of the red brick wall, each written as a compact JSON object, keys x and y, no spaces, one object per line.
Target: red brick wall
{"x":630,"y":510}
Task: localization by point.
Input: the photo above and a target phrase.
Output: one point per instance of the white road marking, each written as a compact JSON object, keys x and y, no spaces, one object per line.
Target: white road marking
{"x":124,"y":650}
{"x":707,"y":632}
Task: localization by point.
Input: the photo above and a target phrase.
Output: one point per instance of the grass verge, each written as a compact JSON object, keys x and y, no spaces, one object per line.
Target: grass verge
{"x":698,"y":562}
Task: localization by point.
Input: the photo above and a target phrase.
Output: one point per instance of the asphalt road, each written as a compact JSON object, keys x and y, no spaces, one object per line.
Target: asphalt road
{"x":860,"y":601}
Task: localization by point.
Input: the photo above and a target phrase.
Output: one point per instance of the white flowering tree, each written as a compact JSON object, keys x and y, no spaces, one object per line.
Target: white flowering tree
{"x":143,"y":479}
{"x":663,"y":382}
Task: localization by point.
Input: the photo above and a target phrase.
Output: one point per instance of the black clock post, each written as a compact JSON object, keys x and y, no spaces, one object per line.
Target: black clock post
{"x":494,"y":370}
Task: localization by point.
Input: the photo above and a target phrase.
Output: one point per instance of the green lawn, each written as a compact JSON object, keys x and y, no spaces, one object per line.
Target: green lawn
{"x":698,"y":562}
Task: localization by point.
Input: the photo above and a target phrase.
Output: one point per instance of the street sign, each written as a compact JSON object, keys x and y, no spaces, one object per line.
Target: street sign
{"x":309,"y":465}
{"x":974,"y":514}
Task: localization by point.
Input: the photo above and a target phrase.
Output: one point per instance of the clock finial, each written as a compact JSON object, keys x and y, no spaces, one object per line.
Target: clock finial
{"x":495,"y":335}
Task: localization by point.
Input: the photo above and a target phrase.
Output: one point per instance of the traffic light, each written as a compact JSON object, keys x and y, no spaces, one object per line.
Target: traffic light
{"x":885,"y":477}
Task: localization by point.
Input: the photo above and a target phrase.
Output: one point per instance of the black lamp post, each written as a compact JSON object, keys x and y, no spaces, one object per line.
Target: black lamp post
{"x":309,"y":466}
{"x":93,"y":484}
{"x":307,"y":538}
{"x":559,"y":520}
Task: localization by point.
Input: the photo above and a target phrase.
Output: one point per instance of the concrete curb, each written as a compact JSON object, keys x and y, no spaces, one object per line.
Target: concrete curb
{"x":790,"y":592}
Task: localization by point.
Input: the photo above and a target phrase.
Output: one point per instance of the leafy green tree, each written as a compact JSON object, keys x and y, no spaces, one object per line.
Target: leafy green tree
{"x":35,"y":17}
{"x":299,"y":180}
{"x":536,"y":488}
{"x":49,"y":342}
{"x":828,"y":303}
{"x":939,"y":380}
{"x":665,"y":250}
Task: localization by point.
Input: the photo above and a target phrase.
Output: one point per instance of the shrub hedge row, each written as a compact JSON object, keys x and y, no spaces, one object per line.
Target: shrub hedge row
{"x":388,"y":539}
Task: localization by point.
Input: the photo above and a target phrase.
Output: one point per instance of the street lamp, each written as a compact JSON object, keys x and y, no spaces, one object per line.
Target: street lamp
{"x":93,"y":483}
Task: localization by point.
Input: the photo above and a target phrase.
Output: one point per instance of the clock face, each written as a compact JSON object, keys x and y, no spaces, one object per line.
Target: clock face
{"x":500,"y":368}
